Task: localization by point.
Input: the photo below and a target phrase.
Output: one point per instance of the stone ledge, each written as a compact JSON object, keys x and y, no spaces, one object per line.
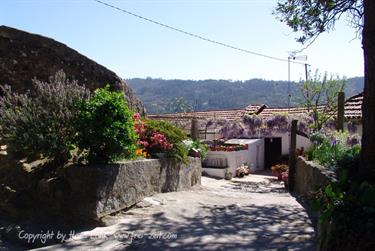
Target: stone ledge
{"x":311,"y":176}
{"x":96,"y":191}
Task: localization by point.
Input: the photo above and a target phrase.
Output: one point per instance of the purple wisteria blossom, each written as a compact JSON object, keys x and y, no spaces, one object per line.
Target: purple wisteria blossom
{"x":352,"y":127}
{"x":353,"y":140}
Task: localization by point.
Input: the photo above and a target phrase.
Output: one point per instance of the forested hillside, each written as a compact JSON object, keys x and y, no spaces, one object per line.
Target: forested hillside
{"x":163,"y":96}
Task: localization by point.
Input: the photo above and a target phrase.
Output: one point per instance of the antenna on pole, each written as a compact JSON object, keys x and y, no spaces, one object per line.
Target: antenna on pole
{"x":293,"y":56}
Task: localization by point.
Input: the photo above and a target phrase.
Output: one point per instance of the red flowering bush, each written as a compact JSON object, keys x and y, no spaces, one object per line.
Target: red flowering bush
{"x":159,"y":141}
{"x":279,"y":169}
{"x":157,"y":136}
{"x":284,"y":176}
{"x":139,"y":125}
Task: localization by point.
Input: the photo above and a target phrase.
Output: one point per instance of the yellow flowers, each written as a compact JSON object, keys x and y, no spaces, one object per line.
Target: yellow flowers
{"x":141,"y":153}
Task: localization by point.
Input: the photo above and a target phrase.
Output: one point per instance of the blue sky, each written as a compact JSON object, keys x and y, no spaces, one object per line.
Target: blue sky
{"x":135,"y":48}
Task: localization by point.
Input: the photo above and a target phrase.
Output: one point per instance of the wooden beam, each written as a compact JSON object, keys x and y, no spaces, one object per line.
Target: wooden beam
{"x":292,"y":156}
{"x":194,"y":132}
{"x":340,"y":111}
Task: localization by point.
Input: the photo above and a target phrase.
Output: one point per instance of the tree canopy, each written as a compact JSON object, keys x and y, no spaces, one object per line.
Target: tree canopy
{"x":321,"y":89}
{"x":312,"y":18}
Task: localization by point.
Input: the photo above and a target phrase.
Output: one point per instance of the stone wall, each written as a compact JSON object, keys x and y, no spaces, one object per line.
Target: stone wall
{"x":97,"y":191}
{"x":310,"y":176}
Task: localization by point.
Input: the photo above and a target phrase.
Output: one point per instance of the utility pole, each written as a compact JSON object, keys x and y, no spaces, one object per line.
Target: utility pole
{"x":340,"y":111}
{"x":289,"y":95}
{"x":292,"y":55}
{"x":306,"y":72}
{"x":292,"y":156}
{"x":306,"y":79}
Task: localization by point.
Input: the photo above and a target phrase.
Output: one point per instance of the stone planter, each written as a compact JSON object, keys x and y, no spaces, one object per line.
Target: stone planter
{"x":96,"y":191}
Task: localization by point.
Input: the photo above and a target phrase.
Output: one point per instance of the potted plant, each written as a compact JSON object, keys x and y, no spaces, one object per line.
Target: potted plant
{"x":284,"y":177}
{"x":278,"y":169}
{"x":228,"y":174}
{"x":240,"y":171}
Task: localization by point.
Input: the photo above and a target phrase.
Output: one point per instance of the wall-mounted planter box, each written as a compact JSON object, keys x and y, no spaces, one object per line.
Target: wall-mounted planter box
{"x":96,"y":191}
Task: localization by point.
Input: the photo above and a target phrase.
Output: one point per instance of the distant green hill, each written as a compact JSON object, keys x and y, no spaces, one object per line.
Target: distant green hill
{"x":164,"y":96}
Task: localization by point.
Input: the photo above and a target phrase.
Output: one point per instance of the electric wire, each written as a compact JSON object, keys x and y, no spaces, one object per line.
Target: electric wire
{"x":197,"y":36}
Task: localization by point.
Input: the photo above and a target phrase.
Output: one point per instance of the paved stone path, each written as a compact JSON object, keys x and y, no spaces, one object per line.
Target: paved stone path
{"x":252,"y":213}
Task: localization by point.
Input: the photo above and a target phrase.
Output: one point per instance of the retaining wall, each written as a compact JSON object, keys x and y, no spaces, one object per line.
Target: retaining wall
{"x":96,"y":191}
{"x":310,"y":176}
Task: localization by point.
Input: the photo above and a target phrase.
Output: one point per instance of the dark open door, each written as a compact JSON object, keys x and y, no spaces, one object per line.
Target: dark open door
{"x":272,"y":151}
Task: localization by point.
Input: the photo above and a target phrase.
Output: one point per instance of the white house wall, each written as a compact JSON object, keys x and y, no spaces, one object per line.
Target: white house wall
{"x":234,"y":160}
{"x":256,"y":148}
{"x":253,"y":156}
{"x":285,"y":142}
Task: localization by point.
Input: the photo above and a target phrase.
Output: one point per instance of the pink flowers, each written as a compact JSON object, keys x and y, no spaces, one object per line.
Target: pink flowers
{"x":136,"y":116}
{"x":284,"y":176}
{"x":158,"y":140}
{"x":139,"y":125}
{"x":143,"y":143}
{"x":150,"y":141}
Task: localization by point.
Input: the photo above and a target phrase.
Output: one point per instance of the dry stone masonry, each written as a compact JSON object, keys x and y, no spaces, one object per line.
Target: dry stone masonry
{"x":100,"y":190}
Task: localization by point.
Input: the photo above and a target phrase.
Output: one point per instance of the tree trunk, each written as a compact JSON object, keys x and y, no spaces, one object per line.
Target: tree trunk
{"x":367,"y":168}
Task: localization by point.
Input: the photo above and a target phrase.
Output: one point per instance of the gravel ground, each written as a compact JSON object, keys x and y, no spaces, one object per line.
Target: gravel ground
{"x":251,"y":213}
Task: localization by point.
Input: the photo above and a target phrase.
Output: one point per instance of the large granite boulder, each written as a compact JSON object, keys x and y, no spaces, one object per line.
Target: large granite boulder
{"x":24,"y":56}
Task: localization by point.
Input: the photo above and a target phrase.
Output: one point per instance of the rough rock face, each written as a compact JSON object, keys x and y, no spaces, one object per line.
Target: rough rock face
{"x":100,"y":190}
{"x":24,"y":56}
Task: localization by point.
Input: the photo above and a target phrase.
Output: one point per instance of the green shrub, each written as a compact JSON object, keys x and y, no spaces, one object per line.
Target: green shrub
{"x":348,"y":206}
{"x":174,"y":136}
{"x":105,"y":128}
{"x":41,"y":123}
{"x":197,"y":145}
{"x":333,"y":150}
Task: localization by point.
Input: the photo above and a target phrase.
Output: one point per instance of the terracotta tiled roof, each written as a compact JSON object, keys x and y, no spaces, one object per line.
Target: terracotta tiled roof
{"x":293,"y":111}
{"x":183,"y":120}
{"x":353,"y":107}
{"x":255,"y":109}
{"x":353,"y":110}
{"x":223,"y":114}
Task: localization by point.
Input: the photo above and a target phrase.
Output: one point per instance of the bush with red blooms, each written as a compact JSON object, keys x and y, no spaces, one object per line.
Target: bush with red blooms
{"x":159,"y":141}
{"x":160,"y":137}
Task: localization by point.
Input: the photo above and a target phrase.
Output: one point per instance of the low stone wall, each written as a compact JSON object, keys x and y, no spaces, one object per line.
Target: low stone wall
{"x":96,"y":191}
{"x":310,"y":176}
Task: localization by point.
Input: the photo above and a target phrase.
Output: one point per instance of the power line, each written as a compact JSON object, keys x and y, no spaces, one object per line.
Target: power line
{"x":195,"y":35}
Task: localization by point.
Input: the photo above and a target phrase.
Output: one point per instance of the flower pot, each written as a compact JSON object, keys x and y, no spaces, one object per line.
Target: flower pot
{"x":228,"y":175}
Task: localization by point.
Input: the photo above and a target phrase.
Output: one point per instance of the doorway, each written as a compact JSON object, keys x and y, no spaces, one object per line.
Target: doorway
{"x":272,"y":152}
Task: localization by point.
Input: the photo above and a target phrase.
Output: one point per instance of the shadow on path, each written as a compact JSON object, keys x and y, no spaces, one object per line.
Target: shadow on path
{"x":232,"y":227}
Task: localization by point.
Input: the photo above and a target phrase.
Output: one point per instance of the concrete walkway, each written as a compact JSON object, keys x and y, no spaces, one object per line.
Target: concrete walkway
{"x":252,"y":213}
